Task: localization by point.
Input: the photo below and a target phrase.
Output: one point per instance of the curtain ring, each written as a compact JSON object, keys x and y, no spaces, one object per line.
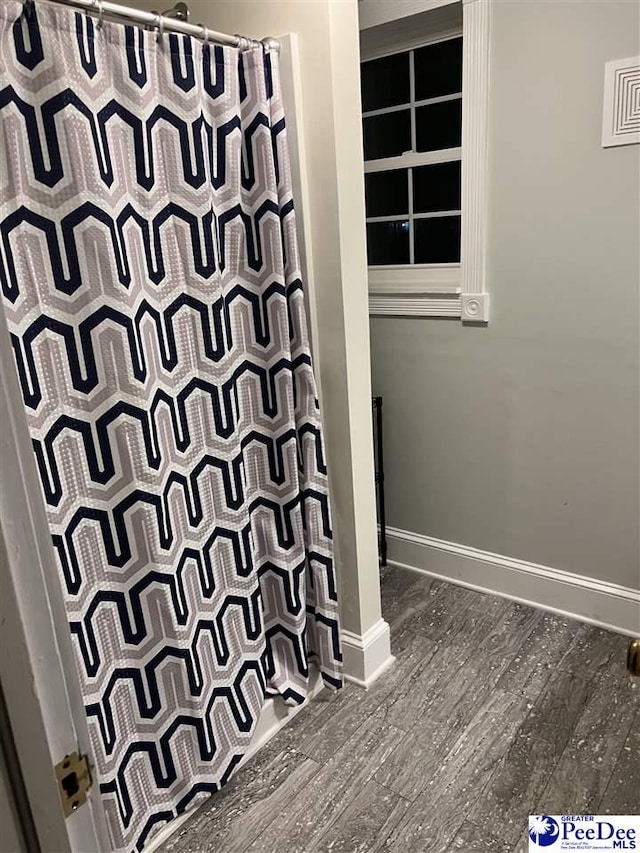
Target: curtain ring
{"x":100,"y":6}
{"x":160,"y":26}
{"x":205,"y":34}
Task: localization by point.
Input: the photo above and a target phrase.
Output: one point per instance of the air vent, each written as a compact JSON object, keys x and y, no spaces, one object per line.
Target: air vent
{"x":621,"y":116}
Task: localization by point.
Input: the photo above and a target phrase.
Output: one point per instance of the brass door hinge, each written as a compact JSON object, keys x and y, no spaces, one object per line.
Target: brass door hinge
{"x":74,"y":780}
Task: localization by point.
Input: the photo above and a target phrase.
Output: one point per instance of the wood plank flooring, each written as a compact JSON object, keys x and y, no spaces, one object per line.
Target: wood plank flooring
{"x":492,"y":711}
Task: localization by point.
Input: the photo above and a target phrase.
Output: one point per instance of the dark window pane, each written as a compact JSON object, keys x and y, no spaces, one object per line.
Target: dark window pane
{"x":385,"y":82}
{"x":436,"y":187}
{"x":386,"y":193}
{"x":437,"y":240}
{"x":438,"y":69}
{"x":439,"y":126}
{"x":387,"y":243}
{"x":387,"y":135}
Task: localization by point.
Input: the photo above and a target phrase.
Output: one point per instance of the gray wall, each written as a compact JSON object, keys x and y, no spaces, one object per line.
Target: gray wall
{"x":11,"y":838}
{"x":523,"y":438}
{"x":10,"y":834}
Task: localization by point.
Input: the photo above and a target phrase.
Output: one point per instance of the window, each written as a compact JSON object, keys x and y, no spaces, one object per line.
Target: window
{"x":412,"y":127}
{"x":425,"y":83}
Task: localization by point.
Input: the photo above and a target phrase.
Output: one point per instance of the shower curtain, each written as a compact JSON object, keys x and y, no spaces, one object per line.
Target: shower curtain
{"x":151,"y":286}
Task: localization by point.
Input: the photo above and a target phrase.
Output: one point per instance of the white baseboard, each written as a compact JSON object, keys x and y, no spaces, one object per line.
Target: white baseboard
{"x":274,"y":716}
{"x":607,"y":605}
{"x":366,"y":656}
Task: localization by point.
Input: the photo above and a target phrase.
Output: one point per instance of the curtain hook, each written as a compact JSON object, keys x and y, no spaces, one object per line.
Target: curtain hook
{"x":100,"y":6}
{"x":205,"y":34}
{"x":160,"y":26}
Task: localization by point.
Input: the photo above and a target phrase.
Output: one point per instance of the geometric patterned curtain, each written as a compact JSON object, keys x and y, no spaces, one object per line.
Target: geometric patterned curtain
{"x":151,"y":284}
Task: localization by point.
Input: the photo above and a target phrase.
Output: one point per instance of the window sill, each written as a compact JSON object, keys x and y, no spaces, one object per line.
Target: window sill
{"x":418,"y":278}
{"x":425,"y":290}
{"x":422,"y":305}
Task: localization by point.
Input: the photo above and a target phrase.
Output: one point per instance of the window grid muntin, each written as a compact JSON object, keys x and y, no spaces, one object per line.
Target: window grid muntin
{"x":456,"y":96}
{"x":401,"y":217}
{"x":431,"y":157}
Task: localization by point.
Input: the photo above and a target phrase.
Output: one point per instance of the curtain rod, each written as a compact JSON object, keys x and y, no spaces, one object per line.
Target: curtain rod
{"x":163,"y":23}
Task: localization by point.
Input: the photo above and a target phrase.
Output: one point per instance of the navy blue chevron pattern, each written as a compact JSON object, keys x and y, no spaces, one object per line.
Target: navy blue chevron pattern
{"x":151,"y":284}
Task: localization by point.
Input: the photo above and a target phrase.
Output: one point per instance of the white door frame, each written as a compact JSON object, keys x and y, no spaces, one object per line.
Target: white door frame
{"x":37,"y":667}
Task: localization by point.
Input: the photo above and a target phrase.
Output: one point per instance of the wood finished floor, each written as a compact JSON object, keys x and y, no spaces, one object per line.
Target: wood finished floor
{"x":491,"y":712}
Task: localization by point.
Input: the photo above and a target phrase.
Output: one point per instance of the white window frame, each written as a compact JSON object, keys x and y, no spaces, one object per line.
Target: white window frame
{"x":447,"y":290}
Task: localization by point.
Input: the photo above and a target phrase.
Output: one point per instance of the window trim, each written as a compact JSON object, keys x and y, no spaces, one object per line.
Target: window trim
{"x":449,"y":290}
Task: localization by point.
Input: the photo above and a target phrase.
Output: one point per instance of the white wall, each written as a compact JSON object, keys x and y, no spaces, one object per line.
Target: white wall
{"x":523,"y":438}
